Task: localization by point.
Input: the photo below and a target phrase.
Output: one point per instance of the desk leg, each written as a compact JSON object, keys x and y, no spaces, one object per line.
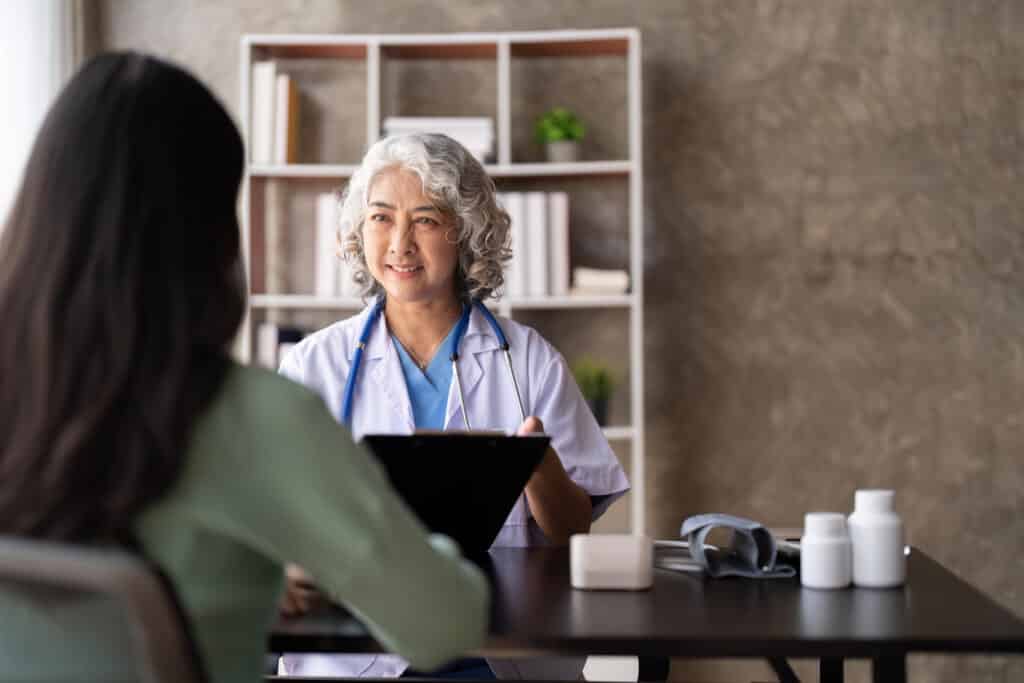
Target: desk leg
{"x":830,"y":670}
{"x":652,"y":669}
{"x":783,"y":670}
{"x":889,"y":670}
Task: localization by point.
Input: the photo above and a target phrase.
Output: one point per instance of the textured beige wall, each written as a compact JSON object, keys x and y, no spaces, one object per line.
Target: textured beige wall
{"x":833,"y":246}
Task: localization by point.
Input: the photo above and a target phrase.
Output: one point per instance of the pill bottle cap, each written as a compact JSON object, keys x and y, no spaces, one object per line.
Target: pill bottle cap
{"x":824,"y":525}
{"x":873,"y":501}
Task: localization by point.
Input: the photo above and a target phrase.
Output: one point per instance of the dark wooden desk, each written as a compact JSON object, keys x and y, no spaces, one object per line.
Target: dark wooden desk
{"x":536,"y":611}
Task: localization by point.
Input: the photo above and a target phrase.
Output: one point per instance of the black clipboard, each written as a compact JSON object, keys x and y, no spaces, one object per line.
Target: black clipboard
{"x":462,"y":485}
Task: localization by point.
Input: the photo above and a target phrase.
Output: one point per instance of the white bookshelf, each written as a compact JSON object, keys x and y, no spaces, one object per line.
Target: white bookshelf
{"x":502,"y":48}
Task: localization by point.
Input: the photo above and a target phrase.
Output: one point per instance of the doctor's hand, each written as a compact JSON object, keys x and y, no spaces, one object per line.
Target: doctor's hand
{"x":300,"y":593}
{"x":531,"y":425}
{"x":560,"y":507}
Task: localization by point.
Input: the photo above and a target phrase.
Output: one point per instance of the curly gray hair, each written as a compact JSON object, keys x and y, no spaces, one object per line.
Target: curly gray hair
{"x":458,"y":186}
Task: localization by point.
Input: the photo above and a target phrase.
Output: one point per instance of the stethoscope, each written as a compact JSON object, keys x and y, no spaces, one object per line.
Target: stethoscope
{"x":460,"y":330}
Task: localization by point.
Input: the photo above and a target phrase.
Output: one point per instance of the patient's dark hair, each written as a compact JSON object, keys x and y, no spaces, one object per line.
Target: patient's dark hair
{"x":120,"y":290}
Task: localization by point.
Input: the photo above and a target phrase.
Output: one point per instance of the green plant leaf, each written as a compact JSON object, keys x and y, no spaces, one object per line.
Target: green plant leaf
{"x":558,"y":124}
{"x":594,"y":379}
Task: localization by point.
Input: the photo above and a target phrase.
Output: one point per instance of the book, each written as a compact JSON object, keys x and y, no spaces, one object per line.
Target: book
{"x":595,"y":281}
{"x":326,"y":259}
{"x":515,"y":273}
{"x":286,"y":120}
{"x":537,"y":244}
{"x":261,"y":138}
{"x":558,"y":241}
{"x":276,"y":253}
{"x":266,"y":345}
{"x":346,"y":286}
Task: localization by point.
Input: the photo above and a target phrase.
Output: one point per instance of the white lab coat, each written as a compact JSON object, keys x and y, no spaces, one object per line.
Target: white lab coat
{"x":381,"y":404}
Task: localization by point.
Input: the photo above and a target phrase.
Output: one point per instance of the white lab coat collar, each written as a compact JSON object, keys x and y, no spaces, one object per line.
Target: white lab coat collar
{"x":479,"y":335}
{"x":479,"y":339}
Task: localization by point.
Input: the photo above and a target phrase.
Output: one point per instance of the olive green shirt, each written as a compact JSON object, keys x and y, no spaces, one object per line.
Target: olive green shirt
{"x":271,"y":478}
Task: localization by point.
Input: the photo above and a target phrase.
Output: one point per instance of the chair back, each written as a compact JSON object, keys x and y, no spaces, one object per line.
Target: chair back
{"x":81,"y":614}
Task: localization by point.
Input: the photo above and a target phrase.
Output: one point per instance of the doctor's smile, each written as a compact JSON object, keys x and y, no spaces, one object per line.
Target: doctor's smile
{"x":405,"y":270}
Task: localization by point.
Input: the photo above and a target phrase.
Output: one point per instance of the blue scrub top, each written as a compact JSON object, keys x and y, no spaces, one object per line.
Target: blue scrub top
{"x":428,"y":389}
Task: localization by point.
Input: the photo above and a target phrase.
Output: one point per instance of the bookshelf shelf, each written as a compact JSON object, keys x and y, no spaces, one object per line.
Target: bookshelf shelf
{"x":276,"y":217}
{"x":573,"y":301}
{"x":302,"y":170}
{"x":537,"y":170}
{"x":620,"y":433}
{"x":576,"y":168}
{"x":303,"y":301}
{"x":586,"y":43}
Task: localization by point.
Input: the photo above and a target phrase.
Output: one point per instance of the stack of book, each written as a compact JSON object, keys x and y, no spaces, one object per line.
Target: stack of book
{"x":475,"y":133}
{"x":274,"y":124}
{"x":540,"y":243}
{"x":332,"y":272}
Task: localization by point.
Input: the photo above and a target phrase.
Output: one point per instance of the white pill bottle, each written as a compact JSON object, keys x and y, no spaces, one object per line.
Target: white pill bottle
{"x":825,"y":551}
{"x":876,"y":533}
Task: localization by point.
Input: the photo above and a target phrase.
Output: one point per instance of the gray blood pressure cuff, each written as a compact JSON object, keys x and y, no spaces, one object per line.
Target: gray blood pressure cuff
{"x":751,"y":551}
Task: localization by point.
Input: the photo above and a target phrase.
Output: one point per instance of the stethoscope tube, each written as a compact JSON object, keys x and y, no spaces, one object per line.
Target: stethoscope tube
{"x":460,"y":331}
{"x":503,"y":341}
{"x":357,"y":361}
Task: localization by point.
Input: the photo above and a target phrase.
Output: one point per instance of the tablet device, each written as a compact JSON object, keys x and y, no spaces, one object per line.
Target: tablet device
{"x":462,"y":485}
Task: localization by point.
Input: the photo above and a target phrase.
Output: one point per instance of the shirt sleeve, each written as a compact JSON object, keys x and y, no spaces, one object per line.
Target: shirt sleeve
{"x":318,"y":499}
{"x":291,"y":366}
{"x":575,"y":435}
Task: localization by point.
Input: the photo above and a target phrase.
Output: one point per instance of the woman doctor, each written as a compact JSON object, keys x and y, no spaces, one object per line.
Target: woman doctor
{"x":426,"y":242}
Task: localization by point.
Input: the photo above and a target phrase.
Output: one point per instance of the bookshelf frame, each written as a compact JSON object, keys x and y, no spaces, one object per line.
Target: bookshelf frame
{"x":502,"y":47}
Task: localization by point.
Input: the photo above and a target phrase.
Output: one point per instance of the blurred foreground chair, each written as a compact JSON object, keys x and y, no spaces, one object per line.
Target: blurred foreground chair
{"x":77,"y":614}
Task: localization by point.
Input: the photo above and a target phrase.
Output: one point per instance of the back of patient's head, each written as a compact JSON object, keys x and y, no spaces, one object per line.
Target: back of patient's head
{"x":119,"y":293}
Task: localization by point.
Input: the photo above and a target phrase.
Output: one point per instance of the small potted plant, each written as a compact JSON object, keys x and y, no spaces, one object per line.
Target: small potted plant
{"x":596,"y":384}
{"x":560,"y":130}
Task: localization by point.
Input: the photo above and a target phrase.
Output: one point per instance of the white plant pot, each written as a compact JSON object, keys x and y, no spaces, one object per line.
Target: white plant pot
{"x":563,"y":151}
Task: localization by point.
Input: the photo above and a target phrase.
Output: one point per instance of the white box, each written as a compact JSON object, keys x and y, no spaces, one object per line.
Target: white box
{"x":611,"y":561}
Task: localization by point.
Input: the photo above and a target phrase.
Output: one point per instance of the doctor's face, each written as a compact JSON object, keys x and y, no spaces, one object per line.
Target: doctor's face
{"x":404,"y":239}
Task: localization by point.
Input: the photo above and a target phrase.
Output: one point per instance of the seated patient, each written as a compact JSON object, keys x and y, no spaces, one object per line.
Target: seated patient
{"x":124,"y":420}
